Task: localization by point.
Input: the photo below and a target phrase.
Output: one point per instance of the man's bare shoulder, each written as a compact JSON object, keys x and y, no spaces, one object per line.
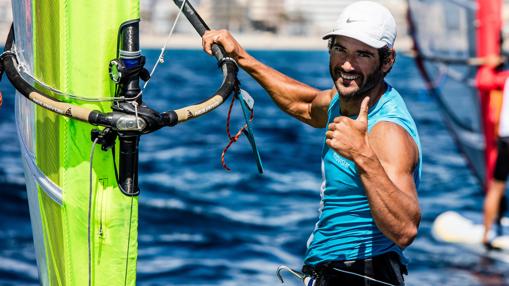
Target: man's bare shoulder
{"x":319,"y":107}
{"x":324,"y":98}
{"x":394,"y":145}
{"x":330,"y":92}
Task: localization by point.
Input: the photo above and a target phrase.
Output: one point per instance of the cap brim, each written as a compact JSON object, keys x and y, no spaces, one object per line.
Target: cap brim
{"x":370,"y":42}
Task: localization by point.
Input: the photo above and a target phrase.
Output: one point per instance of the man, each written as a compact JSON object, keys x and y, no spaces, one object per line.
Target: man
{"x":371,"y":157}
{"x":496,"y":187}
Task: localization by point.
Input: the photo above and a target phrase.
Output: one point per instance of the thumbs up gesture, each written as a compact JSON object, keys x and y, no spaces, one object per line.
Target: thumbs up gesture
{"x":349,"y":137}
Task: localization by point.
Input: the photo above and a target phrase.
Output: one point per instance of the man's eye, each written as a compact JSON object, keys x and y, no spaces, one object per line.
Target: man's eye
{"x":337,"y":49}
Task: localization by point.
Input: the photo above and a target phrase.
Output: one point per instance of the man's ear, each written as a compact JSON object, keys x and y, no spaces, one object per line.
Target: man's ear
{"x":389,"y":61}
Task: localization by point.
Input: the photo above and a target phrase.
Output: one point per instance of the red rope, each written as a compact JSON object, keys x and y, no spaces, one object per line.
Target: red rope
{"x":234,"y":138}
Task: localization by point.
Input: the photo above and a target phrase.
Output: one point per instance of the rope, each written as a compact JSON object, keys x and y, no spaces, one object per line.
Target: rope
{"x":128,"y":240}
{"x":363,"y":276}
{"x":24,"y":73}
{"x":235,"y":138}
{"x":89,"y":238}
{"x":160,"y":59}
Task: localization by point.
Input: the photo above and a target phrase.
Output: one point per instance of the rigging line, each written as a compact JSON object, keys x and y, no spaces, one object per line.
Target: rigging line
{"x":23,"y":71}
{"x":160,"y":59}
{"x":363,"y":276}
{"x":128,"y":240}
{"x":90,"y":214}
{"x":130,"y":216}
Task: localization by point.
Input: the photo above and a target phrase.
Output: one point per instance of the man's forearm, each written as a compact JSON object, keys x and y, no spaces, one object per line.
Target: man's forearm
{"x":289,"y":94}
{"x":292,"y":96}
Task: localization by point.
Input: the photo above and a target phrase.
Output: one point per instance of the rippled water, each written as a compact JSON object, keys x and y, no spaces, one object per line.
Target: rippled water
{"x":201,"y":225}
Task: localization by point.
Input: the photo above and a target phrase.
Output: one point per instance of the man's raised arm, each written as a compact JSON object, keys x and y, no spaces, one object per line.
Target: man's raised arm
{"x":300,"y":100}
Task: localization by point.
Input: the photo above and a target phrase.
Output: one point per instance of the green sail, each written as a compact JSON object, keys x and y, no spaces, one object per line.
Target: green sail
{"x":68,"y":45}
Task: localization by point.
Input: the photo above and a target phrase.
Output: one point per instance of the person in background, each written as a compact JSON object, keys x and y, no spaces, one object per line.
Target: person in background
{"x":495,"y":200}
{"x":371,"y":157}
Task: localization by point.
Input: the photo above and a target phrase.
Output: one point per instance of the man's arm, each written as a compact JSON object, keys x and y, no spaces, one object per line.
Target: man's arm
{"x":385,"y":159}
{"x":387,"y":175}
{"x":301,"y":101}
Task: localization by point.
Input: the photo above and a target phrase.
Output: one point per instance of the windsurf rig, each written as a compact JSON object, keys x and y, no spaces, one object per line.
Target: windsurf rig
{"x":130,"y":117}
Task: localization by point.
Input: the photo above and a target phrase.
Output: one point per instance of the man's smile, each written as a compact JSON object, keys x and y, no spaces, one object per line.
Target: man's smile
{"x":349,"y":76}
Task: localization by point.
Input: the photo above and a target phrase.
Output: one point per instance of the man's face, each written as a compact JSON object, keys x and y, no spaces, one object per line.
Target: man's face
{"x":355,"y":67}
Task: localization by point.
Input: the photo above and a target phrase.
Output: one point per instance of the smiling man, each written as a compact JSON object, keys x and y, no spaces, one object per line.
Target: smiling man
{"x":371,"y":158}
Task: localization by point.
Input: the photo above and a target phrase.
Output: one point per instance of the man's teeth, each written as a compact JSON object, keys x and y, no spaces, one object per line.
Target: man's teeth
{"x":349,"y":76}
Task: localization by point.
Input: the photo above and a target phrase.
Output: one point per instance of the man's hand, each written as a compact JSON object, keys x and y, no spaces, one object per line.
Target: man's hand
{"x":226,"y":40}
{"x":349,"y":137}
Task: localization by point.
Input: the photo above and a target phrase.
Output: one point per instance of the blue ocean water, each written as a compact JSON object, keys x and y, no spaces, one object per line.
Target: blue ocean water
{"x":201,"y":225}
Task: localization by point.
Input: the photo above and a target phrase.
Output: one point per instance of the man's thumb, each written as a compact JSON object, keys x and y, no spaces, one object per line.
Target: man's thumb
{"x":363,"y":112}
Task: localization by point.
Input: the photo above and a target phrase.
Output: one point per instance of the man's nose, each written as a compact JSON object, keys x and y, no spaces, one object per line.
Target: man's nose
{"x":347,"y":65}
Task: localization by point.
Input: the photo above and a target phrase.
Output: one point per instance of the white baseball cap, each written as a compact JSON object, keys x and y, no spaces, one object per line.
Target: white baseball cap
{"x":368,"y":22}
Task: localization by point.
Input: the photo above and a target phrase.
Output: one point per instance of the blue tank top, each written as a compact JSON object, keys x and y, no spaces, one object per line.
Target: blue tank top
{"x":345,"y":229}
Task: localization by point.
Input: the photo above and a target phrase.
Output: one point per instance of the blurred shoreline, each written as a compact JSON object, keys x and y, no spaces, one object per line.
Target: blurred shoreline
{"x":248,"y":41}
{"x":257,"y":42}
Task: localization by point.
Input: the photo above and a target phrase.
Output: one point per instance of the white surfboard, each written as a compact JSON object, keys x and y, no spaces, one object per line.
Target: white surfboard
{"x":452,"y":227}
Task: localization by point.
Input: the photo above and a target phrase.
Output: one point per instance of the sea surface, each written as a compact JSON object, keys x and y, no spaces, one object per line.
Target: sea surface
{"x":202,"y":225}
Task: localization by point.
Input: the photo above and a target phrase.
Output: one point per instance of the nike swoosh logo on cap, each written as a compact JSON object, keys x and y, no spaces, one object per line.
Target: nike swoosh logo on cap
{"x":353,"y":20}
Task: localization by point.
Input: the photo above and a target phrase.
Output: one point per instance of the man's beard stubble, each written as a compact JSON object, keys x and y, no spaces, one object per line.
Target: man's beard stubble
{"x":371,"y":81}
